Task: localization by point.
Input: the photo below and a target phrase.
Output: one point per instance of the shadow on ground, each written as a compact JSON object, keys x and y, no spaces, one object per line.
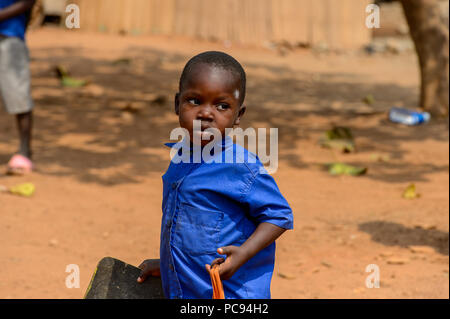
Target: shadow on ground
{"x":83,"y":131}
{"x":393,"y":234}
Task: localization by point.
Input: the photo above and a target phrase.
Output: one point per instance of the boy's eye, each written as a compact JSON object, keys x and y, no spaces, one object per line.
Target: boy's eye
{"x":194,"y":101}
{"x":223,"y":106}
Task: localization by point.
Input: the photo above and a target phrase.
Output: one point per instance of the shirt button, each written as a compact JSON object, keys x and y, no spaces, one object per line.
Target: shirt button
{"x":171,"y":267}
{"x":174,"y":185}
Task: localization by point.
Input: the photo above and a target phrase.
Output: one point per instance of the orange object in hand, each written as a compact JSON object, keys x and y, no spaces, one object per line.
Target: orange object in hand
{"x":216,"y":283}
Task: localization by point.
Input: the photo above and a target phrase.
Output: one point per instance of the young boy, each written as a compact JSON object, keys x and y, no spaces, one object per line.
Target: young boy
{"x":15,"y":77}
{"x":212,"y":209}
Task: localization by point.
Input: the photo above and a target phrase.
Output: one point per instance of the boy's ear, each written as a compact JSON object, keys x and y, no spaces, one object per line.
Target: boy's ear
{"x":177,"y":104}
{"x":240,"y":114}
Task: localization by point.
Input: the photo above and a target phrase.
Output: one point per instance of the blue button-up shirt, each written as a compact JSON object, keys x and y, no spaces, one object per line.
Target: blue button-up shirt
{"x":208,"y":205}
{"x":15,"y":26}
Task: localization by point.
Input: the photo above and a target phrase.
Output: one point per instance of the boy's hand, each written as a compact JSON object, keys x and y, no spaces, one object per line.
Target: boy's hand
{"x":236,"y":257}
{"x":149,"y":267}
{"x":263,"y":236}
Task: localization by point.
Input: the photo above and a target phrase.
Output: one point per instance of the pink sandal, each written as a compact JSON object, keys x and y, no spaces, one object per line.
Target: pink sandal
{"x":19,"y":165}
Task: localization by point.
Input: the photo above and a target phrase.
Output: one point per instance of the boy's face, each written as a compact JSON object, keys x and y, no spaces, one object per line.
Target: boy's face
{"x":210,"y":95}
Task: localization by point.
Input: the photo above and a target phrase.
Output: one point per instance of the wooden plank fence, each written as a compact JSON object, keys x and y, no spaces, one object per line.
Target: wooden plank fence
{"x":335,"y":23}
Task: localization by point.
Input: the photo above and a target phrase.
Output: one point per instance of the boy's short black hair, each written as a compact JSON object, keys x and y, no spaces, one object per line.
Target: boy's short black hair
{"x":218,"y":59}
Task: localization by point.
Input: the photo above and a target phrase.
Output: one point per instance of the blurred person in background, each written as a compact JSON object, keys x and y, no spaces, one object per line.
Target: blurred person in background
{"x":15,"y":80}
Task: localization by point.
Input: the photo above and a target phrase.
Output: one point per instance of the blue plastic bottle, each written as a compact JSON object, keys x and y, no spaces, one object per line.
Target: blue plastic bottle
{"x":408,"y":117}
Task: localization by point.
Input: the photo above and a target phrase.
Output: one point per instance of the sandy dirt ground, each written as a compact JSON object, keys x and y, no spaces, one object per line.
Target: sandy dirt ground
{"x":98,"y":168}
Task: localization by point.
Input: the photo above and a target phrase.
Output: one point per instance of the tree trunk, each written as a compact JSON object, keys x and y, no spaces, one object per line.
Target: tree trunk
{"x":430,"y":36}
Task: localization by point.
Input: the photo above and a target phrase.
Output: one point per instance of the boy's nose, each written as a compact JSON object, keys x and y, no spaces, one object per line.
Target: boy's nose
{"x":205,"y":112}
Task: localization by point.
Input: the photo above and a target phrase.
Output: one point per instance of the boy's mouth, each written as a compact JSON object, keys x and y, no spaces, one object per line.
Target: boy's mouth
{"x":204,"y":127}
{"x":201,"y":132}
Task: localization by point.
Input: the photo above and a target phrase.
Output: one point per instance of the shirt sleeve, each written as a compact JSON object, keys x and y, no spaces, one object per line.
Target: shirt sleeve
{"x":266,"y":203}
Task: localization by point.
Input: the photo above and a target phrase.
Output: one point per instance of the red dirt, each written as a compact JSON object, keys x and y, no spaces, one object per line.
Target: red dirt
{"x":98,"y":177}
